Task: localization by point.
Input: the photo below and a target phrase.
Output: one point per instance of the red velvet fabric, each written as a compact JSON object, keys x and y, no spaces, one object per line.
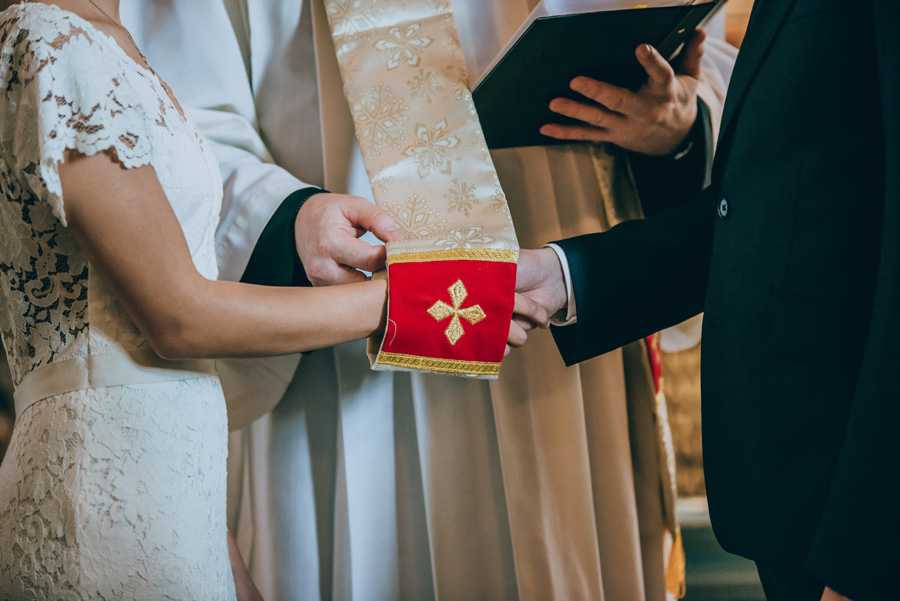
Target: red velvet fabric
{"x":416,"y":287}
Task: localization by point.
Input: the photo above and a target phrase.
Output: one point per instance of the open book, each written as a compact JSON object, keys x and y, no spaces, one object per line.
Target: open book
{"x":562,"y":39}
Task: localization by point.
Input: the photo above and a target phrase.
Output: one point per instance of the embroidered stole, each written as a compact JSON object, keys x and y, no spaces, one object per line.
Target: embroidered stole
{"x":452,"y":278}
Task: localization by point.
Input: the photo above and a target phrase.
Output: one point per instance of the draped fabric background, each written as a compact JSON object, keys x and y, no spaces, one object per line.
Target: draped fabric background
{"x":383,"y":486}
{"x":578,"y":445}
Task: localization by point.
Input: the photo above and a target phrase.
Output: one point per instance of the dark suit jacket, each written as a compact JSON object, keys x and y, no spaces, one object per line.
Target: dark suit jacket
{"x":793,"y":252}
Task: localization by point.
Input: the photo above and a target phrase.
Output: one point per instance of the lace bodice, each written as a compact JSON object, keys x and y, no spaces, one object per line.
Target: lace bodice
{"x":115,"y":488}
{"x":53,"y":307}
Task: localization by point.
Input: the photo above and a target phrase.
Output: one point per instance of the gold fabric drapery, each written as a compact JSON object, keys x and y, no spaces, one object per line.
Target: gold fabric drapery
{"x":405,"y":80}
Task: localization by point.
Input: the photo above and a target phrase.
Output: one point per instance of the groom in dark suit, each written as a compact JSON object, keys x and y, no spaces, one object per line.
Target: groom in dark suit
{"x":793,"y":253}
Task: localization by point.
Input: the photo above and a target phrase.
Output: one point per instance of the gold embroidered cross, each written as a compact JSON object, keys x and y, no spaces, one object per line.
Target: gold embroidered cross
{"x":441,"y":311}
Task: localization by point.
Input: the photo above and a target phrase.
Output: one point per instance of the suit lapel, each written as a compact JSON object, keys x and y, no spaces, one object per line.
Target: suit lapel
{"x":765,"y":21}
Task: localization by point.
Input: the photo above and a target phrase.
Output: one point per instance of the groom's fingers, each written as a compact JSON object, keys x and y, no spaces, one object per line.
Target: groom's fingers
{"x":524,"y":323}
{"x":690,"y":61}
{"x":592,"y":114}
{"x":517,"y":336}
{"x":581,"y":133}
{"x":528,"y":308}
{"x":660,"y":73}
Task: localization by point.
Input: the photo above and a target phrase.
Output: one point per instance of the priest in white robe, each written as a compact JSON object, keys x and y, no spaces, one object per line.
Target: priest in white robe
{"x":382,"y":485}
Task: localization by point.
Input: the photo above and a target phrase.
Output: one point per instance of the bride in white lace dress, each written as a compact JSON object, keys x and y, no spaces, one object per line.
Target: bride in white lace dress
{"x":114,"y":485}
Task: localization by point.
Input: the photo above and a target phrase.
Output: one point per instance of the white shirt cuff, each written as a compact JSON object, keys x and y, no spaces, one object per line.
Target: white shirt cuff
{"x":571,"y":316}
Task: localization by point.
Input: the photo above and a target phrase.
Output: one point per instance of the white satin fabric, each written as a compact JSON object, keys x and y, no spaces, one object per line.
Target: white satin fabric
{"x":383,"y":486}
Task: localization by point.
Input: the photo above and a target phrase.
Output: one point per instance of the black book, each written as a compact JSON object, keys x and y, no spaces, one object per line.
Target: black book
{"x":563,"y":39}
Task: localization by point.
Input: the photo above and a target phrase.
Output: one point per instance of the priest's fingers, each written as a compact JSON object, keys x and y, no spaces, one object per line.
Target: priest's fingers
{"x":326,"y":230}
{"x":365,"y":216}
{"x":586,"y":133}
{"x":326,"y":272}
{"x":358,"y":254}
{"x":614,"y":98}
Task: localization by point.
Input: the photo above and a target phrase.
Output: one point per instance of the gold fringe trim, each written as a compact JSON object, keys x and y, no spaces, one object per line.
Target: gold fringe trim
{"x":675,"y":573}
{"x":494,"y":255}
{"x":450,"y":366}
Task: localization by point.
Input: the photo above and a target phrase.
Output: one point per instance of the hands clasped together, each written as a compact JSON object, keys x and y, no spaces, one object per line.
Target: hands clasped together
{"x":654,"y":120}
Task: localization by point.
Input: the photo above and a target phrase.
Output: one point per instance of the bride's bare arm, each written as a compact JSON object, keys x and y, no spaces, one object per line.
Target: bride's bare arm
{"x":126,"y":227}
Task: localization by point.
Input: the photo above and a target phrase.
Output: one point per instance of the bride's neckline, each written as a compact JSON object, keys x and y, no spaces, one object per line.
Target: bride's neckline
{"x":145,"y":71}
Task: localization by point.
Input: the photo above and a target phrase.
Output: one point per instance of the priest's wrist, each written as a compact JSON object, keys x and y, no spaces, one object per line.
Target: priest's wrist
{"x":274,"y":260}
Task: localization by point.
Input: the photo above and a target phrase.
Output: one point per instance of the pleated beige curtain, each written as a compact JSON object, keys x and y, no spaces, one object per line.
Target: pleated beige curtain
{"x":579,"y":446}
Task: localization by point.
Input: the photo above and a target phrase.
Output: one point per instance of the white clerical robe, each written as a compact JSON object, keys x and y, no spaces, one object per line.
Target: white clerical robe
{"x":382,"y":485}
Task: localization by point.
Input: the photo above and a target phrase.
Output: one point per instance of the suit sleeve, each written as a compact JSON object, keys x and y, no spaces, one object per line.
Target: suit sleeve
{"x":617,"y":277}
{"x":856,"y":549}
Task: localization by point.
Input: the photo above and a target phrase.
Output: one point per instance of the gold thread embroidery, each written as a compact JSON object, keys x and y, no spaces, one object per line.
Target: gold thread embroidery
{"x":451,"y":366}
{"x":351,"y":17}
{"x":431,"y":149}
{"x":403,"y":45}
{"x":379,"y":116}
{"x":468,"y":237}
{"x":415,"y":219}
{"x":461,"y":197}
{"x":494,"y":255}
{"x":424,"y":85}
{"x":441,"y":311}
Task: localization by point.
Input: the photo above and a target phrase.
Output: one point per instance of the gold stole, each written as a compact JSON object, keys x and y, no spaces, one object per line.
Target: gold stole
{"x":452,"y":278}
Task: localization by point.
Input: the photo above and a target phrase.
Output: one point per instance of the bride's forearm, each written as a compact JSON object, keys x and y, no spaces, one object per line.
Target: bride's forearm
{"x":126,"y":227}
{"x":227,"y":319}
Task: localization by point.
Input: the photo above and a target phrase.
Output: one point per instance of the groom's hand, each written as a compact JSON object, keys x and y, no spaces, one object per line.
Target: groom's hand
{"x":540,"y":278}
{"x":527,"y":315}
{"x":540,"y":292}
{"x":655,"y":120}
{"x":832,"y":595}
{"x":327,"y":229}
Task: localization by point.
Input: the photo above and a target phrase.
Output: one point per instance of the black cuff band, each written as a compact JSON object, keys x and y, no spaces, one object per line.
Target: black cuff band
{"x":274,"y":260}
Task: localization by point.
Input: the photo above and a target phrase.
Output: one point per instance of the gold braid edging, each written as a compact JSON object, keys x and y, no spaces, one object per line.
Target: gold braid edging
{"x":450,"y":366}
{"x":494,"y":255}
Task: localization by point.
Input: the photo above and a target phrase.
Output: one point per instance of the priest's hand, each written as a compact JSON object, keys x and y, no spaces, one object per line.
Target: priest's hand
{"x":655,"y":120}
{"x":327,"y":231}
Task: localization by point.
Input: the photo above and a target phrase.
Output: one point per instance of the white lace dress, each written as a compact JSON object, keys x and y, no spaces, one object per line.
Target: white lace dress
{"x":114,"y":484}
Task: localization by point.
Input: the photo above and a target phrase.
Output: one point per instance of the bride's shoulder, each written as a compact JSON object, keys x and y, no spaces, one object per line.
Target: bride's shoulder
{"x":34,"y":32}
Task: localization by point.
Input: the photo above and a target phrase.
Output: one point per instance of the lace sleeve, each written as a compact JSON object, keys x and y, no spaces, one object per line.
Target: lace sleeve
{"x":69,"y":88}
